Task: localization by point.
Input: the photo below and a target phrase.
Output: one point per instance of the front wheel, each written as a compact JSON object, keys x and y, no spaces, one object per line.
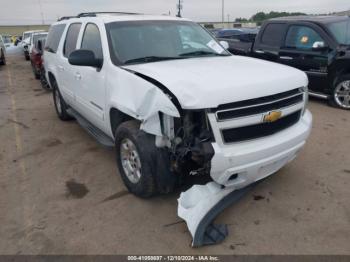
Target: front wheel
{"x":341,"y":93}
{"x":144,"y":168}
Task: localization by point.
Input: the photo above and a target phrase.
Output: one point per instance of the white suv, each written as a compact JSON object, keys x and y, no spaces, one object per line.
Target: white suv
{"x":27,"y":42}
{"x":173,"y":101}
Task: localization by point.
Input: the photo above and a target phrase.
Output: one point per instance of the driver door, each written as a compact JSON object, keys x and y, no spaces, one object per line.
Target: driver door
{"x":305,"y":48}
{"x":90,"y":81}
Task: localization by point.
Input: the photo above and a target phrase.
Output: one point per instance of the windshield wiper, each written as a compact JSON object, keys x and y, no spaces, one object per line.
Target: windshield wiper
{"x":148,"y":59}
{"x":202,"y":53}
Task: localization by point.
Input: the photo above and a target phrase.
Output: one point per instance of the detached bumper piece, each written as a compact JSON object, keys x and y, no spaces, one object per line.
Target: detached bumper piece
{"x":201,"y":204}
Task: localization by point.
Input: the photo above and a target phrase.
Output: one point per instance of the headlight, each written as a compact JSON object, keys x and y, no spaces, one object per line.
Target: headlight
{"x":305,"y":90}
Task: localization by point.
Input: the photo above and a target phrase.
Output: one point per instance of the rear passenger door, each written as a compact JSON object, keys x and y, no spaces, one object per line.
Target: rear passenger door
{"x":51,"y":52}
{"x":66,"y":70}
{"x":269,"y":41}
{"x":89,"y":81}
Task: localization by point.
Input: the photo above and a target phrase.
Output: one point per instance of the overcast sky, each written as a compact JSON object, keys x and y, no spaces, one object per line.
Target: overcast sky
{"x":28,"y":11}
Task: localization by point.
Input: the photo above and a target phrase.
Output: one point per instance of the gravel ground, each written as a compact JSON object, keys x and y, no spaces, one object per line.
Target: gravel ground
{"x":60,"y":192}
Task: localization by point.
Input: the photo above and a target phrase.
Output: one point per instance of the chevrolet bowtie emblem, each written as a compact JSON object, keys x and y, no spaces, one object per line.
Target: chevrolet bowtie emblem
{"x":272,"y":117}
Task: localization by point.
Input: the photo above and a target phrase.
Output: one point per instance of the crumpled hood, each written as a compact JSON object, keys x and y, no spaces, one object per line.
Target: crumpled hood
{"x":200,"y":83}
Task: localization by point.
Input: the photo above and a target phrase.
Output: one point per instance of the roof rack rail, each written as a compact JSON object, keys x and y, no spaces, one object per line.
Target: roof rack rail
{"x":65,"y":18}
{"x":94,"y":14}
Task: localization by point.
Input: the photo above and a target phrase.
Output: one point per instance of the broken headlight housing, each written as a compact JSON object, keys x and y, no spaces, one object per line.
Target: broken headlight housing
{"x":305,"y":91}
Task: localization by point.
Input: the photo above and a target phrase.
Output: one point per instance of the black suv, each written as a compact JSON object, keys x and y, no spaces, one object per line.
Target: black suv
{"x":318,"y":45}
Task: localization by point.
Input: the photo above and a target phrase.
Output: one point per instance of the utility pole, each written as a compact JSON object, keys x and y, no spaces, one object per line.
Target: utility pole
{"x":223,"y":11}
{"x":179,"y":8}
{"x":41,"y":13}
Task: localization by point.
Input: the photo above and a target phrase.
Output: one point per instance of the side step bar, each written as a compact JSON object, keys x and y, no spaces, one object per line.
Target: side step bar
{"x":101,"y":137}
{"x":318,"y":95}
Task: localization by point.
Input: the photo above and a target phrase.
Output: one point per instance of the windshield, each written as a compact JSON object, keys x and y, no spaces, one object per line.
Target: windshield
{"x":150,"y":41}
{"x":341,"y":31}
{"x":37,"y":36}
{"x":26,"y":35}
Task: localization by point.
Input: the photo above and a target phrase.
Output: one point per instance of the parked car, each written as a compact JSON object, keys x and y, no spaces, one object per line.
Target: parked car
{"x":173,"y":102}
{"x":37,"y":61}
{"x":318,"y":45}
{"x":2,"y":52}
{"x":34,"y":38}
{"x":26,"y":42}
{"x":7,"y":39}
{"x":214,"y":30}
{"x":238,"y":38}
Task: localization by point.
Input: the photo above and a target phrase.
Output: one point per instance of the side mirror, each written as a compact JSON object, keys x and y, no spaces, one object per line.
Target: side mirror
{"x":84,"y":57}
{"x":319,"y":46}
{"x":225,"y":44}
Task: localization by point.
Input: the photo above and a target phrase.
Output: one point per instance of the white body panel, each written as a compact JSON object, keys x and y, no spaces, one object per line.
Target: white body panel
{"x":209,"y":82}
{"x":259,"y":158}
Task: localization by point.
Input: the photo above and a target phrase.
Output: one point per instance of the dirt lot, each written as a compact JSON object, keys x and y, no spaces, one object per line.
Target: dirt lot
{"x":60,"y":192}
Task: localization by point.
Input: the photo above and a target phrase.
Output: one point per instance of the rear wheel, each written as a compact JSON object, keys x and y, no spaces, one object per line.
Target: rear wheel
{"x":44,"y":84}
{"x":341,"y":93}
{"x":60,"y":105}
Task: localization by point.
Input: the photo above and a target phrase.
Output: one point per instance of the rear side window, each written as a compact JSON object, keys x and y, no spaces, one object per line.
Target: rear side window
{"x":71,"y":39}
{"x":273,"y":35}
{"x":54,"y":37}
{"x":92,"y":40}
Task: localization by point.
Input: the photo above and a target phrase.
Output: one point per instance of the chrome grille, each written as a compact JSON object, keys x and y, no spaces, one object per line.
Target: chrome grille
{"x":259,"y":105}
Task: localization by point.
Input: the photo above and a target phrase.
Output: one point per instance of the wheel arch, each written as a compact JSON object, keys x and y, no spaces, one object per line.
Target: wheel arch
{"x":51,"y":78}
{"x":116,"y":118}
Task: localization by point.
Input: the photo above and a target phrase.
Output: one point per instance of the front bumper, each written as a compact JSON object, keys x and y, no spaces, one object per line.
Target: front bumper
{"x":238,"y":165}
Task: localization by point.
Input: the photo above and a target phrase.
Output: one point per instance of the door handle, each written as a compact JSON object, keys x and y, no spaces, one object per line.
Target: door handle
{"x":77,"y":76}
{"x":286,"y":58}
{"x":61,"y":68}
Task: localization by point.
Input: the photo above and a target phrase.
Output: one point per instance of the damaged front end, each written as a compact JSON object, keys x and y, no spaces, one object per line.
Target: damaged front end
{"x":190,"y":139}
{"x":190,"y":143}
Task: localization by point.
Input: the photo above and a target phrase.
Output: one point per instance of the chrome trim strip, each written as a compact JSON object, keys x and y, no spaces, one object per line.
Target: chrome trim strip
{"x":95,"y":105}
{"x":315,"y":73}
{"x":256,"y":105}
{"x":314,"y":94}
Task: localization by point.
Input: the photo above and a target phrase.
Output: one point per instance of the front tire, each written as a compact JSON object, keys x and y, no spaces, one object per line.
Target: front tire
{"x":144,"y":168}
{"x":60,"y":105}
{"x":341,"y":93}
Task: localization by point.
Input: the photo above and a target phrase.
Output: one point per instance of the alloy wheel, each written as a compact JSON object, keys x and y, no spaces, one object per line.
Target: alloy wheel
{"x":130,"y":160}
{"x":342,"y":94}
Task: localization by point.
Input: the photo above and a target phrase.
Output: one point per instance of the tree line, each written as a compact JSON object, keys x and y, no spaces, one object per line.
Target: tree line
{"x":262,"y":16}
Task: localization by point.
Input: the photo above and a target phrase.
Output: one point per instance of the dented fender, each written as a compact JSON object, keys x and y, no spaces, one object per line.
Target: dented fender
{"x":139,"y":98}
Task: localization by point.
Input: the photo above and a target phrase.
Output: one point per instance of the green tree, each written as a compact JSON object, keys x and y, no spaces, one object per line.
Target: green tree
{"x":260,"y":17}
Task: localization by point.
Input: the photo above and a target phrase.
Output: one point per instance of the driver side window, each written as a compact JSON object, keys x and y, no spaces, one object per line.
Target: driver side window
{"x":92,"y":40}
{"x":302,"y":38}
